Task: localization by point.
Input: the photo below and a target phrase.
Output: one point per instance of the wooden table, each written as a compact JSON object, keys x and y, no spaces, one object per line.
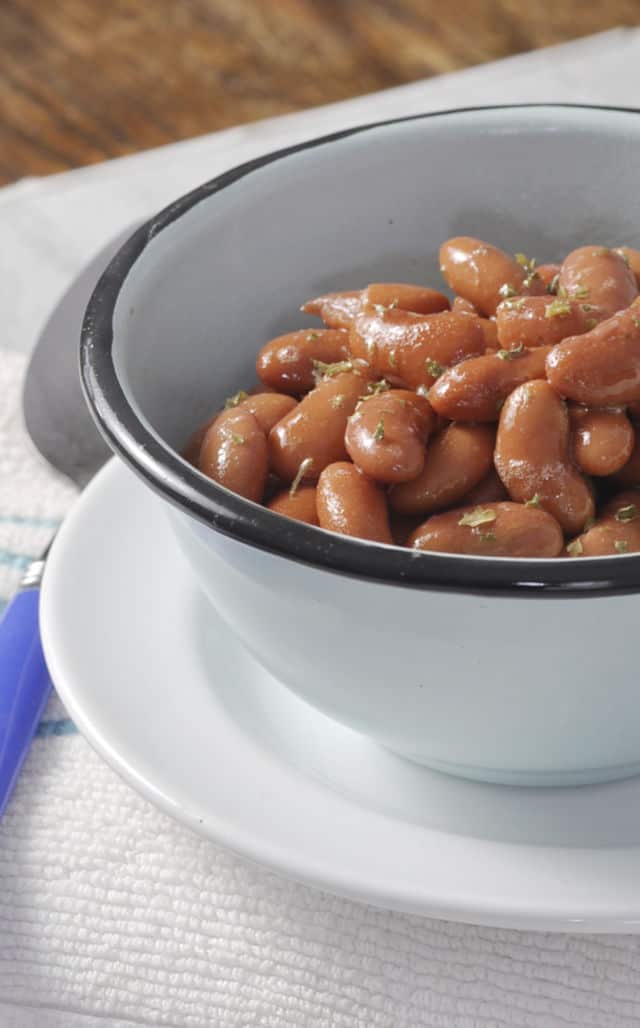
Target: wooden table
{"x":85,"y":80}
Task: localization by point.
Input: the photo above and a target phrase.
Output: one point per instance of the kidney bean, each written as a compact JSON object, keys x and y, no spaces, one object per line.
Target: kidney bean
{"x":548,"y":275}
{"x":405,"y":297}
{"x":543,"y":320}
{"x":287,"y":363}
{"x":386,"y":435}
{"x":413,"y":349}
{"x":269,"y":408}
{"x":532,"y":456}
{"x":457,"y":458}
{"x":488,"y":325}
{"x":462,"y":306}
{"x":350,"y":504}
{"x":314,"y":431}
{"x":616,"y":531}
{"x":337,"y":310}
{"x":483,"y":274}
{"x":234,"y":454}
{"x":602,"y":440}
{"x":491,"y":530}
{"x":299,"y":504}
{"x":629,"y":473}
{"x":602,"y":367}
{"x":599,"y":276}
{"x":476,"y":389}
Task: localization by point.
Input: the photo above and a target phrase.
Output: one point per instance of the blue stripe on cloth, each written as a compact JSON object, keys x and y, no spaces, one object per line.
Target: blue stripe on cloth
{"x":20,"y":519}
{"x":63,"y":726}
{"x":17,"y":561}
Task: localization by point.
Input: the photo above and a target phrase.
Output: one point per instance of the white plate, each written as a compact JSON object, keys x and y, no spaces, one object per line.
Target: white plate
{"x":167,"y":695}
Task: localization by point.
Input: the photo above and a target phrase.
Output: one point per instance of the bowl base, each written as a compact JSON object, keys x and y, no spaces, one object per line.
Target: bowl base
{"x":531,"y":779}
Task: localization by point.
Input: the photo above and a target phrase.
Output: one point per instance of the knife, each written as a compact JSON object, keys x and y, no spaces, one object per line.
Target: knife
{"x":61,"y":428}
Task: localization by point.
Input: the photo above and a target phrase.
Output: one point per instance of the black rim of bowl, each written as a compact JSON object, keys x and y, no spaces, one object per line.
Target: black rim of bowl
{"x":166,"y":472}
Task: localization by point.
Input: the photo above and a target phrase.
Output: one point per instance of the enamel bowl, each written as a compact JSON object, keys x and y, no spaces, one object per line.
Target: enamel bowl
{"x":510,"y":671}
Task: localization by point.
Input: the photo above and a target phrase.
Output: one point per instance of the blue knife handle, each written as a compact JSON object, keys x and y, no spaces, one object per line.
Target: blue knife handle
{"x":24,"y":686}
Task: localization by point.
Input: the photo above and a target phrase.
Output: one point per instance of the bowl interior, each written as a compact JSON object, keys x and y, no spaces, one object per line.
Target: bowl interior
{"x":232,"y":271}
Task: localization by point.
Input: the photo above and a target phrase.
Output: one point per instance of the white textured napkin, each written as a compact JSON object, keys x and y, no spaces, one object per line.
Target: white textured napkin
{"x":111,"y":915}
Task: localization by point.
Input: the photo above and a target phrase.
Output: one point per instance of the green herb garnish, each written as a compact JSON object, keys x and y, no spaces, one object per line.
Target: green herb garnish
{"x":581,"y":293}
{"x":535,"y":501}
{"x":574,"y":549}
{"x":621,"y":546}
{"x":558,"y":309}
{"x":239,"y":439}
{"x":434,"y":368}
{"x":375,"y":388}
{"x":477,"y":516}
{"x":507,"y":290}
{"x":322,"y":370}
{"x":311,"y":336}
{"x":628,"y":513}
{"x":233,"y":401}
{"x":554,"y":283}
{"x":592,"y":322}
{"x":625,"y":256}
{"x":511,"y":355}
{"x":301,"y":472}
{"x":488,"y":537}
{"x":378,"y":432}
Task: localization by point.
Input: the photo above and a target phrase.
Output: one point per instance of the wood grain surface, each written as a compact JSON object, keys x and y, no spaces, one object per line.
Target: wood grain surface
{"x":85,"y":80}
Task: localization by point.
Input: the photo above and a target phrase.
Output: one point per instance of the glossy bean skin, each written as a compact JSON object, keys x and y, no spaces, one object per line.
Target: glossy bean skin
{"x":547,"y":274}
{"x":629,"y":474}
{"x":633,"y":257}
{"x":489,"y":489}
{"x":602,"y":440}
{"x":337,"y":310}
{"x":616,"y":531}
{"x":532,"y":456}
{"x":462,"y":306}
{"x":488,"y":325}
{"x":530,"y":321}
{"x":269,"y":408}
{"x":286,"y":363}
{"x":599,"y":276}
{"x":348,"y":503}
{"x":457,"y":459}
{"x":602,"y":367}
{"x":315,"y":429}
{"x":476,"y":389}
{"x":386,"y":435}
{"x":406,"y":297}
{"x":411,"y":349}
{"x":301,"y":506}
{"x":478,"y":271}
{"x":515,"y":531}
{"x":234,"y":454}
